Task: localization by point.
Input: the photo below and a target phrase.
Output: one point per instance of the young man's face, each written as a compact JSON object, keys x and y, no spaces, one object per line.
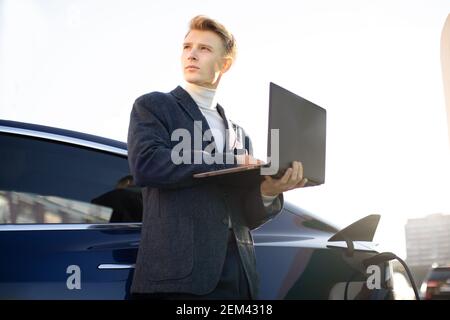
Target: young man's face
{"x":203,"y":58}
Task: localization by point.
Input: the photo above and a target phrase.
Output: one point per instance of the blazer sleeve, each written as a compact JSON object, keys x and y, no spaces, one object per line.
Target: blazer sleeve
{"x":149,"y":148}
{"x":256,"y":214}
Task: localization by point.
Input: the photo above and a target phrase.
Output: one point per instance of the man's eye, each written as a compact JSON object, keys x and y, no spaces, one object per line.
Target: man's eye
{"x":185,"y":47}
{"x":206,"y":48}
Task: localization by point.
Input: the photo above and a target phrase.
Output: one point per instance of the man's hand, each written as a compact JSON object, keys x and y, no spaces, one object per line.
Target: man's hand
{"x":247,"y":160}
{"x":292,"y":179}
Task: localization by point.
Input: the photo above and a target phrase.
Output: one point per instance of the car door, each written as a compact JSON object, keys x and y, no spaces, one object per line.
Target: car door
{"x":57,"y":201}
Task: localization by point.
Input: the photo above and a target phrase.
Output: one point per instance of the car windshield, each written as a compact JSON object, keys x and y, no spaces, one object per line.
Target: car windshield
{"x":440,"y":274}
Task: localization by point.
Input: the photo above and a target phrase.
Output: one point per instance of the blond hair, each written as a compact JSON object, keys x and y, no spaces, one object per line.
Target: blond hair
{"x":204,"y":23}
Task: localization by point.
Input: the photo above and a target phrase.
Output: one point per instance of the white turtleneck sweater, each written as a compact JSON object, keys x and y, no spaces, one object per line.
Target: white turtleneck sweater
{"x":206,"y":100}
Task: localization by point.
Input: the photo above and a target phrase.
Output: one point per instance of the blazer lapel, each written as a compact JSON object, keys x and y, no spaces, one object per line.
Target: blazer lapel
{"x":188,"y":104}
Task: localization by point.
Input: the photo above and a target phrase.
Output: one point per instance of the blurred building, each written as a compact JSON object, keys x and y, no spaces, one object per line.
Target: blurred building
{"x":428,"y":240}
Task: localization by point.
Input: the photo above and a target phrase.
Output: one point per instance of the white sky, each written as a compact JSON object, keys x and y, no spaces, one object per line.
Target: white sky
{"x":374,"y":65}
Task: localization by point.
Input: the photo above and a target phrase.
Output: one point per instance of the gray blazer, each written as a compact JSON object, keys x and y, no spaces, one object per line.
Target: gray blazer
{"x":185,"y":221}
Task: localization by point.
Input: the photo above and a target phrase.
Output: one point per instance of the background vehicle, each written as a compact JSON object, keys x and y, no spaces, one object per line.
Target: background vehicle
{"x":436,"y":285}
{"x":66,"y":203}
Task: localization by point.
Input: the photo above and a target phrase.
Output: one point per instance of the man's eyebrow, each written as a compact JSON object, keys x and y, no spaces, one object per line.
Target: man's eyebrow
{"x":200,"y":44}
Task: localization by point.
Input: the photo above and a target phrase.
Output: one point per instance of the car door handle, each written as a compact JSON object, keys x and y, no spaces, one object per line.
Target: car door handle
{"x":111,"y":266}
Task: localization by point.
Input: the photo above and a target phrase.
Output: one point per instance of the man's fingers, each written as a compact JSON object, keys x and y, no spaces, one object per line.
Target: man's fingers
{"x":297,"y":174}
{"x":302,"y":183}
{"x":286,"y":176}
{"x":300,"y":171}
{"x":293,"y":180}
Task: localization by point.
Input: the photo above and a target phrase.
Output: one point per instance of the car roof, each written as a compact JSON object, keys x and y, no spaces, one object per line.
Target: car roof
{"x":441,"y":268}
{"x":58,"y":133}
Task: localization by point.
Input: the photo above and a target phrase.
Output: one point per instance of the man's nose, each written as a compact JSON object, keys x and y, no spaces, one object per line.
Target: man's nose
{"x":192,"y":54}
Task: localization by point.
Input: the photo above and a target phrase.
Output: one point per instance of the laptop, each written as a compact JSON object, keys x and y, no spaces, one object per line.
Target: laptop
{"x":301,"y":128}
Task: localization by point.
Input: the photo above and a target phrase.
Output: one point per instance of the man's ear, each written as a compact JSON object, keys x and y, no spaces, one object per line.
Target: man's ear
{"x":228,"y":61}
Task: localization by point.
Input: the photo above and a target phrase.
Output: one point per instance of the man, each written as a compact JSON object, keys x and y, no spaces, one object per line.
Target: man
{"x":196,"y":240}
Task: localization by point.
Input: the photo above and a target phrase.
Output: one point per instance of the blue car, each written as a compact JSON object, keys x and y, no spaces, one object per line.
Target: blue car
{"x":70,"y":221}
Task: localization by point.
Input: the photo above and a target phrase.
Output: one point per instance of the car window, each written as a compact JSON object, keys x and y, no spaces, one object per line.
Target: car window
{"x":28,"y":208}
{"x":63,"y":171}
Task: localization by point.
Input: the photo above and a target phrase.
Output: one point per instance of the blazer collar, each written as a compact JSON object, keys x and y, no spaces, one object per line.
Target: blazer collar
{"x":189,"y":105}
{"x":192,"y":109}
{"x":187,"y":102}
{"x":194,"y":112}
